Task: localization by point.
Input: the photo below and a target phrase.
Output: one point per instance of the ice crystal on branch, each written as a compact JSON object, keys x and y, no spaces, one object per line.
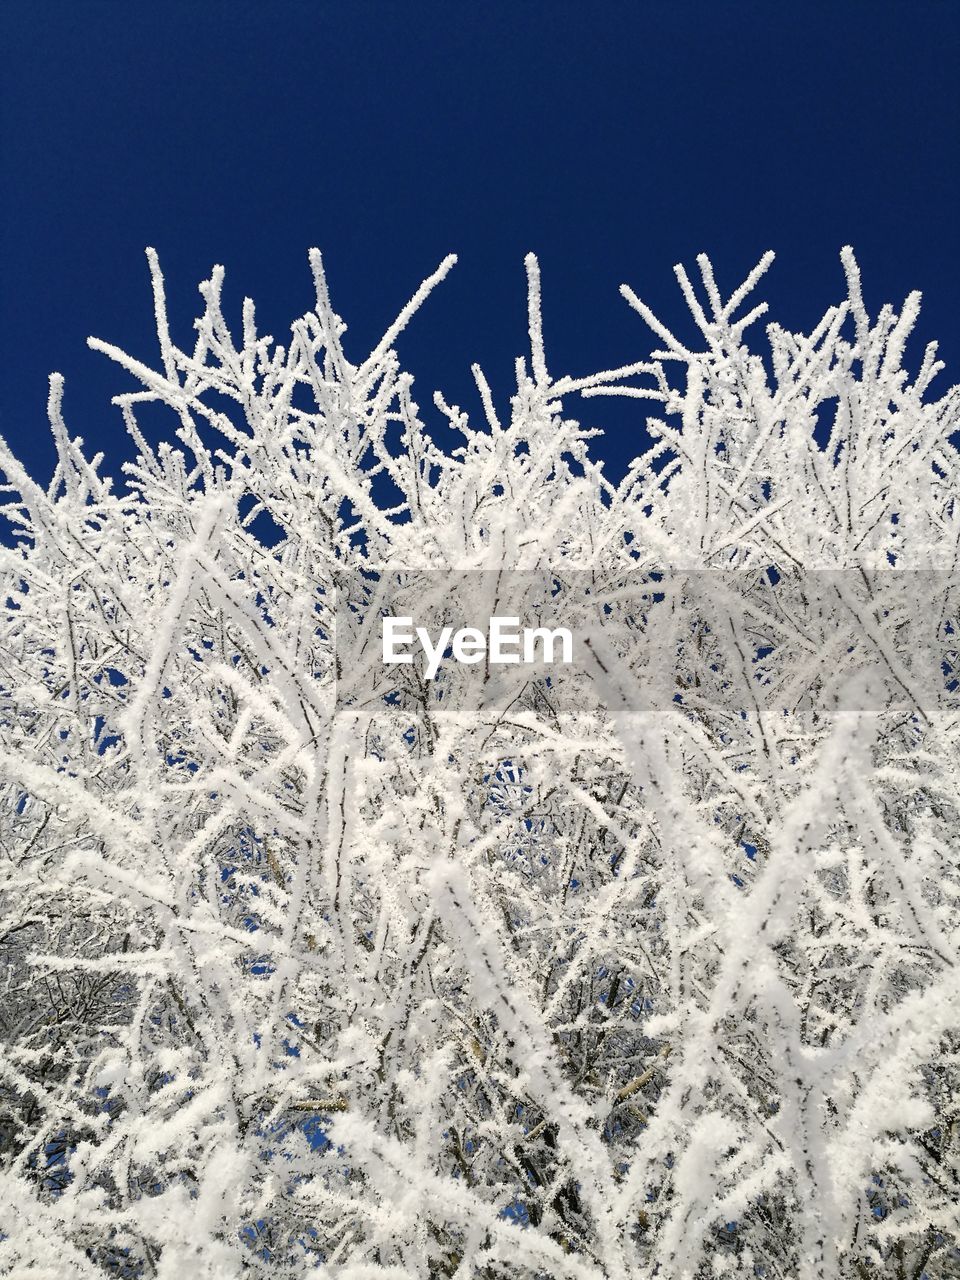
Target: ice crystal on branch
{"x":644,"y":967}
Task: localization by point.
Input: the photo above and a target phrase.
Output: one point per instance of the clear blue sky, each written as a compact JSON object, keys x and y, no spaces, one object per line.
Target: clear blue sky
{"x":612,"y":139}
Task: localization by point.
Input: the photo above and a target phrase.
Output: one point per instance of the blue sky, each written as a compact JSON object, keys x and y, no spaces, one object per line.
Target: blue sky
{"x":612,"y":139}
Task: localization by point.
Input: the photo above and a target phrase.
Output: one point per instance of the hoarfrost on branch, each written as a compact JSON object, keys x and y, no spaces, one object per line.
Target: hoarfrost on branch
{"x":648,"y":968}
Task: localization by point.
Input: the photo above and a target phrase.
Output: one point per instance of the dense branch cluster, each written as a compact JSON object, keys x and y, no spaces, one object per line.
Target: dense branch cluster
{"x":646,"y":967}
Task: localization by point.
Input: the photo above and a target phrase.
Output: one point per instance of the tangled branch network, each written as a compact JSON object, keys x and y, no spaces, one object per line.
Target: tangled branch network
{"x":641,"y":967}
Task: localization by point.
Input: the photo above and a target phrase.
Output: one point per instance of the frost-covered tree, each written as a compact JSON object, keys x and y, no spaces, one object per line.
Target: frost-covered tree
{"x":642,"y":967}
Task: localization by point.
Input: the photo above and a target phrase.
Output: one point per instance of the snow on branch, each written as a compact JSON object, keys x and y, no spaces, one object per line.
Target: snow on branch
{"x":642,"y":966}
